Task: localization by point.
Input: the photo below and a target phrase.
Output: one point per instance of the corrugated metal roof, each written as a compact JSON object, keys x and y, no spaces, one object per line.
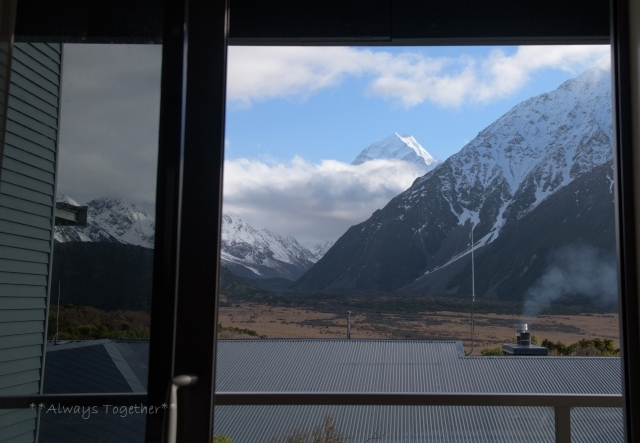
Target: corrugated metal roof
{"x":82,"y":369}
{"x":402,"y":366}
{"x":354,"y":366}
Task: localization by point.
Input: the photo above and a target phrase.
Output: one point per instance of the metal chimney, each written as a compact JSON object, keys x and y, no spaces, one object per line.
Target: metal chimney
{"x":523,"y":344}
{"x":349,"y":324}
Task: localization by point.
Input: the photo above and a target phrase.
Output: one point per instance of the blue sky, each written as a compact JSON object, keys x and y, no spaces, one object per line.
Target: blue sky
{"x":341,"y":119}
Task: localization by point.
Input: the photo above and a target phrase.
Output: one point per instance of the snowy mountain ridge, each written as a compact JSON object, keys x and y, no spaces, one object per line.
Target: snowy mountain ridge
{"x":251,"y":251}
{"x":398,"y":147}
{"x":526,"y":156}
{"x":538,"y":147}
{"x":110,"y":220}
{"x":261,"y":251}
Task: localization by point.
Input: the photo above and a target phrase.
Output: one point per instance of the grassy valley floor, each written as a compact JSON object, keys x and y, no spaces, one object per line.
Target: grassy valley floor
{"x":491,"y":329}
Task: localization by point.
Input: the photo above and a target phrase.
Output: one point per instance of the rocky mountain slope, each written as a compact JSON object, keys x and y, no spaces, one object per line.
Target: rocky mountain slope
{"x":533,"y":151}
{"x":110,"y":220}
{"x":398,"y":147}
{"x":252,"y":251}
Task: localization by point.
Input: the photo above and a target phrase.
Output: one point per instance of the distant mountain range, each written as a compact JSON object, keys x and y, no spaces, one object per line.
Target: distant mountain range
{"x":538,"y":177}
{"x":249,"y":251}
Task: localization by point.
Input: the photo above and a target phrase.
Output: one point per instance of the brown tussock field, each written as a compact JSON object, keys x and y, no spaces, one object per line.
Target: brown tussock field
{"x":491,"y":330}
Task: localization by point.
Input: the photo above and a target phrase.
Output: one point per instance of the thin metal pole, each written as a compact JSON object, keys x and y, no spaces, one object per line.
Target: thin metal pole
{"x":348,"y":324}
{"x":473,"y":292}
{"x":58,"y":315}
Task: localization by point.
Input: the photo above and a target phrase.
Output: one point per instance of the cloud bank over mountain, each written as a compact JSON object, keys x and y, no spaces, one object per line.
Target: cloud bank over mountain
{"x":312,"y":202}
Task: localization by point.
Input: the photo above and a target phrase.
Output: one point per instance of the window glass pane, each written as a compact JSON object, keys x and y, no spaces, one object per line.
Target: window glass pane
{"x":77,"y":215}
{"x":455,"y":204}
{"x":75,"y":423}
{"x":102,"y":269}
{"x":399,"y":156}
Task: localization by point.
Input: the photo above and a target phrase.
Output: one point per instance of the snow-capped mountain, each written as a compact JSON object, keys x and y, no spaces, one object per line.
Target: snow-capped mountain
{"x":536,"y":149}
{"x":110,"y":220}
{"x":319,"y":249}
{"x":249,"y":251}
{"x":398,"y":147}
{"x":253,"y":251}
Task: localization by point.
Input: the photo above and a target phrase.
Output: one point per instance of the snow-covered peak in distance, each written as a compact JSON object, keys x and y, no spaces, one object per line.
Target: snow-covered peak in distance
{"x":398,"y":147}
{"x":110,"y":220}
{"x":319,"y":249}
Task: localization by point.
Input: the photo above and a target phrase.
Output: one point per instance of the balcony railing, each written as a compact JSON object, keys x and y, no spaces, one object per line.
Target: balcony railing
{"x":562,"y":403}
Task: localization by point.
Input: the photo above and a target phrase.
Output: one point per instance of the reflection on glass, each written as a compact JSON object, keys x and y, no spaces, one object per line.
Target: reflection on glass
{"x":75,"y":423}
{"x":99,"y":314}
{"x":77,"y":219}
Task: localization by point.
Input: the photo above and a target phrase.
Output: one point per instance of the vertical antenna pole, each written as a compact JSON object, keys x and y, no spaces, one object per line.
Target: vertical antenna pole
{"x":58,"y":315}
{"x":473,"y":275}
{"x":473,"y":290}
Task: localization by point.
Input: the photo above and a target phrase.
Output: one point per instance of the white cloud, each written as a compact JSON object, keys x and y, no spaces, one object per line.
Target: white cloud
{"x":312,"y":202}
{"x":410,"y":78}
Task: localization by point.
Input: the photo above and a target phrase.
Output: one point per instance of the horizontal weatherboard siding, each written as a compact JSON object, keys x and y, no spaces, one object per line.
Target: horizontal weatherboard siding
{"x":18,"y":105}
{"x":25,"y":243}
{"x":31,"y":122}
{"x":27,"y":200}
{"x":21,"y":315}
{"x":7,"y":201}
{"x":9,"y":367}
{"x":21,"y":303}
{"x":20,"y":167}
{"x":24,"y":290}
{"x":21,"y":327}
{"x":18,"y":423}
{"x":33,"y":53}
{"x":27,"y":85}
{"x":17,"y":341}
{"x":27,"y":231}
{"x":20,"y":353}
{"x":24,"y":181}
{"x":26,"y":219}
{"x":22,"y":279}
{"x":23,"y":267}
{"x":30,"y":135}
{"x":37,"y":68}
{"x":30,"y":147}
{"x":26,"y":388}
{"x":47,"y":50}
{"x":29,"y":159}
{"x":26,"y":194}
{"x":34,"y":77}
{"x":23,"y":255}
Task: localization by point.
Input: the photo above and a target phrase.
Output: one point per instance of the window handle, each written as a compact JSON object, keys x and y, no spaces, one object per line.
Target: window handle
{"x":171,"y":419}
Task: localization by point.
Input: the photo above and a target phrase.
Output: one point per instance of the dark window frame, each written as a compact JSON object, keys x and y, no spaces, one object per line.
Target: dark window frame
{"x":195,"y":37}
